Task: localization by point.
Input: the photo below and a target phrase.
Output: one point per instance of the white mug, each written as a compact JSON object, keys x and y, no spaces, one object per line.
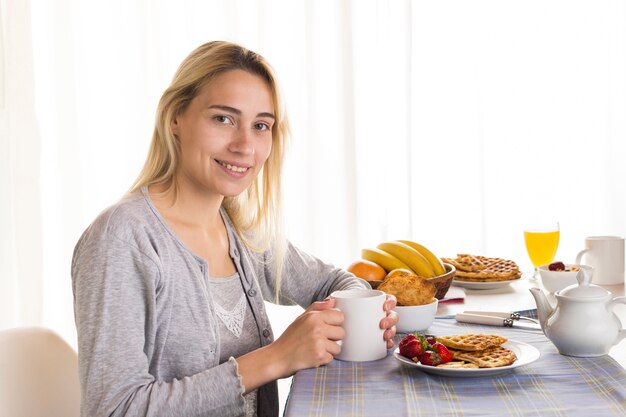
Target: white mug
{"x":363,"y":310}
{"x":606,"y":255}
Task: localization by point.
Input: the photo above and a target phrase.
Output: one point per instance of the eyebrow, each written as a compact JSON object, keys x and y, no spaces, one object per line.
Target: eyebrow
{"x":238,"y":112}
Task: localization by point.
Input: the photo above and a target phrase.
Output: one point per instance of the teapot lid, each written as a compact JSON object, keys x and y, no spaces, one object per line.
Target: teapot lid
{"x":584,"y":288}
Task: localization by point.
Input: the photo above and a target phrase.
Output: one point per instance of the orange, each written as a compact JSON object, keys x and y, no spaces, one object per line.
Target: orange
{"x":368,"y":270}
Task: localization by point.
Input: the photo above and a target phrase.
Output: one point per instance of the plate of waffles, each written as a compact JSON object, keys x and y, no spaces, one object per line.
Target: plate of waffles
{"x":478,"y":272}
{"x":487,"y":285}
{"x":499,"y":357}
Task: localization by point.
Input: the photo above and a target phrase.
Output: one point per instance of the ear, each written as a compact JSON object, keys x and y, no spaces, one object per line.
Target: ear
{"x":174,"y":126}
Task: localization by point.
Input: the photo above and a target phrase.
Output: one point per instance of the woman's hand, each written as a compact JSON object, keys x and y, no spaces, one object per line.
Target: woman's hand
{"x":389,"y":322}
{"x":310,"y":341}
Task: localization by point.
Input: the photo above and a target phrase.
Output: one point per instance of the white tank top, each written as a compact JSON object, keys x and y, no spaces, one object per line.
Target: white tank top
{"x":238,"y":330}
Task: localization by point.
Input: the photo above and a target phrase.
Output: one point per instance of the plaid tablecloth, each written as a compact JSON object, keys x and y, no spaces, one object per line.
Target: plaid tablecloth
{"x":554,"y":385}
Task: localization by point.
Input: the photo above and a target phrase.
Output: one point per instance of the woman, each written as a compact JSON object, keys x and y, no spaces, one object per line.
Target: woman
{"x":169,"y":283}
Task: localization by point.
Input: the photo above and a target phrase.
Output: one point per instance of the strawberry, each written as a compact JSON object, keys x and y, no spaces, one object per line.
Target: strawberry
{"x":430,"y":358}
{"x":411,"y":349}
{"x":443,"y":352}
{"x":431,"y":339}
{"x":406,"y":339}
{"x":424,"y":342}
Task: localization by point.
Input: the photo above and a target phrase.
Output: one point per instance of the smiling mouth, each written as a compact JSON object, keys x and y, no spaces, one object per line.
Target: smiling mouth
{"x":233,"y":168}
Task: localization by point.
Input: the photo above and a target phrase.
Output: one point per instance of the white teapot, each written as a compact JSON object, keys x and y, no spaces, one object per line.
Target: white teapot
{"x":583,"y":322}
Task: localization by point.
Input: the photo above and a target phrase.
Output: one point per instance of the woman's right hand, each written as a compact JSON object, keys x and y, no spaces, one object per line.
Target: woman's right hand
{"x":310,"y":341}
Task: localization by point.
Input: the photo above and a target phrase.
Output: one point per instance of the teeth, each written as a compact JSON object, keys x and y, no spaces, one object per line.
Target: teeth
{"x":233,"y":167}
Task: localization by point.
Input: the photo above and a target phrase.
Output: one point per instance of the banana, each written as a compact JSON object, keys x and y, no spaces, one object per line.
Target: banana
{"x":409,"y":256}
{"x":384,"y":259}
{"x":430,"y":257}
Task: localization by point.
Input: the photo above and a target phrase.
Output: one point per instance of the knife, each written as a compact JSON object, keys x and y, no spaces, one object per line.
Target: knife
{"x":504,"y":315}
{"x":495,"y":321}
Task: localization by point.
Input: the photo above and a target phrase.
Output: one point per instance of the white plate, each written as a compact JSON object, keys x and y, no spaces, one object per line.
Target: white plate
{"x":525,"y":354}
{"x":482,"y":285}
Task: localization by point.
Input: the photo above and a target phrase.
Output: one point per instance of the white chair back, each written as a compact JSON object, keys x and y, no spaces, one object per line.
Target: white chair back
{"x":38,"y":374}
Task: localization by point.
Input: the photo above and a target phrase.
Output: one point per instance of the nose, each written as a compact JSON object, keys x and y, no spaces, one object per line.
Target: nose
{"x":242,"y":142}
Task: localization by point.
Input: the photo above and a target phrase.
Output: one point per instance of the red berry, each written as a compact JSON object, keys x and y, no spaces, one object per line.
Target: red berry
{"x":406,"y":339}
{"x":443,"y":352}
{"x":430,"y":358}
{"x":431,"y":339}
{"x":556,"y":266}
{"x":411,"y":349}
{"x":424,"y":342}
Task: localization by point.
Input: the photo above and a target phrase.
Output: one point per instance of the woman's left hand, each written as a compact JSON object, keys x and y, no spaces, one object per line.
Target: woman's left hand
{"x":389,"y":322}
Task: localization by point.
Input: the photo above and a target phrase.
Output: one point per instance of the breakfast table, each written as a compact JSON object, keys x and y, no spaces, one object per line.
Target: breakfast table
{"x":550,"y":385}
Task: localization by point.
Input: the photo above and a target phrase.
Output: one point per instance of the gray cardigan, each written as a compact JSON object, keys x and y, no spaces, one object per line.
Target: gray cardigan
{"x":148,"y":341}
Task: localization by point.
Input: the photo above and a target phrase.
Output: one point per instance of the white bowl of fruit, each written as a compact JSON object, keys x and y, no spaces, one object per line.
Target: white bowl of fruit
{"x":558,"y":275}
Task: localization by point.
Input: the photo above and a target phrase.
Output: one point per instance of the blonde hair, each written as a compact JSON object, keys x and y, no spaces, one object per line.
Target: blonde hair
{"x":255,"y":213}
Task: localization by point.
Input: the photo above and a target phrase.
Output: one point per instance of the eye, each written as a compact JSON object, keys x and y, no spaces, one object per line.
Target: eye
{"x":262,"y":126}
{"x":220,"y":118}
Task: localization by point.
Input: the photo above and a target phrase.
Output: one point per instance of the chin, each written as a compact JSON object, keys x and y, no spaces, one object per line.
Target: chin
{"x":229,"y":193}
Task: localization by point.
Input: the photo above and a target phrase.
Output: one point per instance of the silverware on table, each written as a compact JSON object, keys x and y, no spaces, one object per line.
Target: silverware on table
{"x":504,"y":315}
{"x":496,"y":321}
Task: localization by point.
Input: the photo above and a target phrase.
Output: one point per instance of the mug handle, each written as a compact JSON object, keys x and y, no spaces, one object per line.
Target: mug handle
{"x":579,"y":257}
{"x":622,"y":333}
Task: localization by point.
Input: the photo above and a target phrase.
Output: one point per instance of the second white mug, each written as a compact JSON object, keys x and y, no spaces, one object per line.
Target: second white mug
{"x":606,"y":255}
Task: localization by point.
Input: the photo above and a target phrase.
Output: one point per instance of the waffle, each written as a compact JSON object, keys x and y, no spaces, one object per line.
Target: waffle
{"x":476,"y":268}
{"x":492,"y":357}
{"x":467,"y":263}
{"x":471,"y":342}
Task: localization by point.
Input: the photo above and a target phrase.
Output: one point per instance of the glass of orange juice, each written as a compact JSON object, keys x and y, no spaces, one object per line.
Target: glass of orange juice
{"x":541,"y":245}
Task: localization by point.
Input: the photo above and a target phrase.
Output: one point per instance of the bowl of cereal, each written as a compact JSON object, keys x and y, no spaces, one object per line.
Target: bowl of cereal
{"x":558,"y":275}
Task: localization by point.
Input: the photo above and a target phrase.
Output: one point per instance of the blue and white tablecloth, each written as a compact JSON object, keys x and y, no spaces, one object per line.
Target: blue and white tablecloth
{"x":553,"y":385}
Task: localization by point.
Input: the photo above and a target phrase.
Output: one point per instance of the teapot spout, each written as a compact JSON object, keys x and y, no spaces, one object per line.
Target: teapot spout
{"x":544,"y":308}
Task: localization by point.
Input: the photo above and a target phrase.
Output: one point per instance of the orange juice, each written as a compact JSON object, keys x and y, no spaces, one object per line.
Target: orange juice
{"x":541,"y":245}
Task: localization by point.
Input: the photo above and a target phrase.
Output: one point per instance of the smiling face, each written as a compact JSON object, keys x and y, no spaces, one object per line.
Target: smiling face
{"x":225,"y":134}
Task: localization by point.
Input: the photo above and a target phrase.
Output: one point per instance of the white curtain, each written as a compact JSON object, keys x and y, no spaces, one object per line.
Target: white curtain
{"x":452,"y":123}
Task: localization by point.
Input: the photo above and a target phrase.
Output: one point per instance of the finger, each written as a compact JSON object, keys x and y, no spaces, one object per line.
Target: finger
{"x":389,"y":321}
{"x":335,"y":333}
{"x":332,"y":317}
{"x":389,"y":334}
{"x":333,"y":348}
{"x":390,"y":302}
{"x":319,"y":357}
{"x":321,"y":321}
{"x":322,"y":305}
